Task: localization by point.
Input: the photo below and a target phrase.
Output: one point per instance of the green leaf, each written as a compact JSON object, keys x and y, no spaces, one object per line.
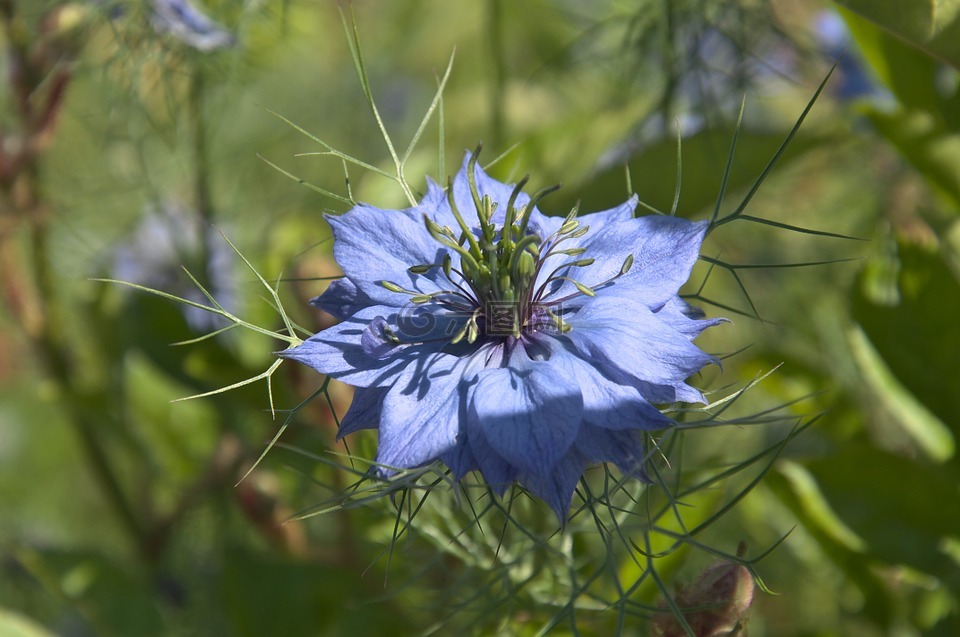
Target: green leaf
{"x":931,"y":25}
{"x":798,"y":489}
{"x":908,"y":72}
{"x":15,"y":625}
{"x":902,"y":509}
{"x":926,"y":143}
{"x":923,"y":427}
{"x":917,"y":335}
{"x":111,"y":597}
{"x":269,"y":595}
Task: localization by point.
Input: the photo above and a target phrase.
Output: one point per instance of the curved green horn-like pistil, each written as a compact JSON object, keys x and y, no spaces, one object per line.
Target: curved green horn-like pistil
{"x":499,"y":265}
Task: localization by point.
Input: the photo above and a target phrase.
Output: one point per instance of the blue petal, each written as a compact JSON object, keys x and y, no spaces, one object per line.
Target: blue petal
{"x":623,"y":448}
{"x":606,"y":403}
{"x":364,"y":411}
{"x":686,"y":318}
{"x":422,"y":411}
{"x":460,"y":459}
{"x":188,"y":24}
{"x":597,"y":220}
{"x":375,"y":340}
{"x":556,"y":488}
{"x":358,"y":352}
{"x":373,"y":245}
{"x":664,"y":251}
{"x":593,"y":445}
{"x":627,"y":342}
{"x":497,"y":472}
{"x":338,"y":352}
{"x":530,"y":416}
{"x":342,"y":299}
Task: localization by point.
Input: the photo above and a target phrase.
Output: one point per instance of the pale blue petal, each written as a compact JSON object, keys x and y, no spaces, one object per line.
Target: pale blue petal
{"x":342,"y":299}
{"x":497,"y":472}
{"x":422,"y":411}
{"x":556,"y":488}
{"x":364,"y":411}
{"x":664,"y":251}
{"x":375,"y":341}
{"x":373,"y":245}
{"x":433,"y":204}
{"x":592,"y":446}
{"x":338,"y":351}
{"x":460,"y":459}
{"x":530,"y":416}
{"x":623,"y":448}
{"x":598,"y":220}
{"x":625,"y":340}
{"x":686,"y":318}
{"x":187,"y":23}
{"x":606,"y":403}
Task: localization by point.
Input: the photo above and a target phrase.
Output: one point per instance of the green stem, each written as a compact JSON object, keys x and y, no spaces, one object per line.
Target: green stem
{"x":42,"y":322}
{"x":49,"y":342}
{"x":203,"y":200}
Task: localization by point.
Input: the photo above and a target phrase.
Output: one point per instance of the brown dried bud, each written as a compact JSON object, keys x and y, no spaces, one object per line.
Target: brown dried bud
{"x":716,"y":605}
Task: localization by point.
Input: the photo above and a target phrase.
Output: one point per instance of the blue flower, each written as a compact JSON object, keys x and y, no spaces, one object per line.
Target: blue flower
{"x":187,"y":23}
{"x":482,"y":333}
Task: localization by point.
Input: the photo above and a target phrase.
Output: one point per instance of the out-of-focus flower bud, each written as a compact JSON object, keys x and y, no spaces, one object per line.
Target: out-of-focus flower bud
{"x":716,"y":605}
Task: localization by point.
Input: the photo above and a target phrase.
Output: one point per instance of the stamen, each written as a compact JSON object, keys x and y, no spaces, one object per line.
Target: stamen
{"x":393,"y":287}
{"x":627,"y":264}
{"x":499,"y":264}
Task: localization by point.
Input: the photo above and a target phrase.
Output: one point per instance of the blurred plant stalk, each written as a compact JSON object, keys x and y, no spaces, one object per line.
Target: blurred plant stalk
{"x":41,"y":59}
{"x":40,"y":70}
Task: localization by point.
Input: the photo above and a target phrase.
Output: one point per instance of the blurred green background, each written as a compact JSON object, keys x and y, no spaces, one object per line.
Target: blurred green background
{"x":126,"y":145}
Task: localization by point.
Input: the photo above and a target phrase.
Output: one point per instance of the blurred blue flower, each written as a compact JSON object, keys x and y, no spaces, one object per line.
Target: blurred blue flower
{"x":168,"y":238}
{"x":482,"y":333}
{"x":834,"y":39}
{"x":188,"y":24}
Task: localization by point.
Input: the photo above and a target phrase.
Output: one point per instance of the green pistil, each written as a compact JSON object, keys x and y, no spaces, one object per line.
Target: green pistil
{"x":499,"y":266}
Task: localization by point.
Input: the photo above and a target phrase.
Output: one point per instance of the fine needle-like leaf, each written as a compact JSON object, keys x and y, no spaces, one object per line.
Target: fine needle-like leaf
{"x":207,"y":336}
{"x":356,"y":52}
{"x":286,"y":422}
{"x":292,"y":340}
{"x":726,"y":169}
{"x":676,"y":192}
{"x":441,"y":143}
{"x":263,"y":375}
{"x":715,"y":222}
{"x":330,"y":150}
{"x":303,"y":182}
{"x":269,"y":288}
{"x":792,"y":228}
{"x":200,"y":286}
{"x":430,"y":110}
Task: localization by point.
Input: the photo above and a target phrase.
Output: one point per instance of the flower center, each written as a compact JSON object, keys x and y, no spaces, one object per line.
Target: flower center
{"x":496,"y":286}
